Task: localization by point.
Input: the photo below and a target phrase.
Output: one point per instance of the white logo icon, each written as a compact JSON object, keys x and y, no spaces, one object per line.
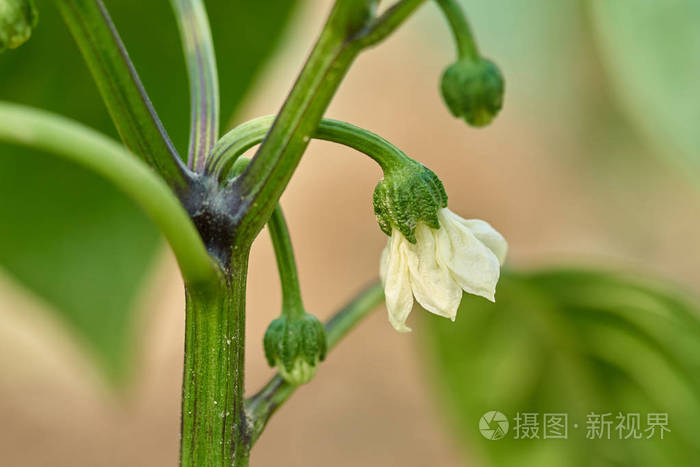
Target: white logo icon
{"x":493,"y":425}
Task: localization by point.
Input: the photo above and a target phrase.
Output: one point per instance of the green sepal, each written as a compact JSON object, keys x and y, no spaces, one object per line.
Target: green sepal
{"x":473,"y":90}
{"x":408,"y":194}
{"x":17,"y":19}
{"x":295,"y":345}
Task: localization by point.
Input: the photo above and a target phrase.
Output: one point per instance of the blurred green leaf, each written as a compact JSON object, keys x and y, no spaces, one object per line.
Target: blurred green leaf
{"x":572,"y":342}
{"x":66,"y":234}
{"x":650,"y":50}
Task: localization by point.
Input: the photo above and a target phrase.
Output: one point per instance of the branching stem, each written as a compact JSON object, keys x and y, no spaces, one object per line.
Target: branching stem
{"x":82,"y":145}
{"x":120,"y":87}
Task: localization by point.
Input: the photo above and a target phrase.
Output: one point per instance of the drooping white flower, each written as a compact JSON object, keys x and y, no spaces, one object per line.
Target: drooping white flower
{"x":461,"y":255}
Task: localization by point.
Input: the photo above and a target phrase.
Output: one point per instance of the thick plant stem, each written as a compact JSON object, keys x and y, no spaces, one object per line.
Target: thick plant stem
{"x":214,"y":427}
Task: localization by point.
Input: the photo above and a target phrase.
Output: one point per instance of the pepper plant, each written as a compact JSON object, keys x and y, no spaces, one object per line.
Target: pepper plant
{"x":211,"y":203}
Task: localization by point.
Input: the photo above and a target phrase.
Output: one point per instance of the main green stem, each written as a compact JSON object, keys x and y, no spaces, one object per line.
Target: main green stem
{"x":215,"y":431}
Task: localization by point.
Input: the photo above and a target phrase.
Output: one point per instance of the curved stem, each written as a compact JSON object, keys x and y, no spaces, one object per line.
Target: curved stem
{"x":204,"y":84}
{"x":265,"y":403}
{"x":248,"y":134}
{"x":75,"y":142}
{"x":120,"y":87}
{"x":284,"y":253}
{"x":466,"y":46}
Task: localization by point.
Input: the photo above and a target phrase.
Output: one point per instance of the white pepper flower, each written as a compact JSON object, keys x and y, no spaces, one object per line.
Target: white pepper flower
{"x":432,"y":254}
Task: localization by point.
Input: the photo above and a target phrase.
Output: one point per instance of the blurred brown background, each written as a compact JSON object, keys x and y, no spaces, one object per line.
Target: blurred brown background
{"x":544,"y":174}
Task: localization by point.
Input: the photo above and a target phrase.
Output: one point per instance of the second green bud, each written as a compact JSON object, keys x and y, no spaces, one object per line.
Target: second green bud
{"x":295,"y":345}
{"x":473,"y":90}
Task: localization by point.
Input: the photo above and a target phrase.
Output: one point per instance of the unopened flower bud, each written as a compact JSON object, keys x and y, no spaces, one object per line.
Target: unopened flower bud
{"x":408,"y":194}
{"x":17,"y":18}
{"x":473,"y":90}
{"x":295,"y":345}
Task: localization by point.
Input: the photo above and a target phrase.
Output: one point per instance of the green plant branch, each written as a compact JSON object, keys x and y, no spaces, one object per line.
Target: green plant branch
{"x":204,"y":84}
{"x":343,"y":37}
{"x":464,"y":40}
{"x":246,"y":135}
{"x":261,"y":406}
{"x":77,"y":143}
{"x":120,"y":87}
{"x":284,"y":253}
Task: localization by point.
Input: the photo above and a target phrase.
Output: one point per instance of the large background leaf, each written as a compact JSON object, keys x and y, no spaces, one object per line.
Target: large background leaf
{"x":572,"y":342}
{"x":650,"y":50}
{"x":69,"y":236}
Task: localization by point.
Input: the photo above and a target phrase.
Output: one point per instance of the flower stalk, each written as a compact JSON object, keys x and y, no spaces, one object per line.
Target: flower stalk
{"x":464,"y":40}
{"x":292,"y":304}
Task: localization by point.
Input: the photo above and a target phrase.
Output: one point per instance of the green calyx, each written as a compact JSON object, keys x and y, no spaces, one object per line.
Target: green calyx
{"x":17,"y":19}
{"x":473,"y":90}
{"x":408,"y":194}
{"x":295,"y":345}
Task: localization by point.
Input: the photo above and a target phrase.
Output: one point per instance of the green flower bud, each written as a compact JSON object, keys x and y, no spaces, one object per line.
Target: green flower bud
{"x":17,"y":18}
{"x":408,"y":194}
{"x":295,"y":345}
{"x":473,"y":90}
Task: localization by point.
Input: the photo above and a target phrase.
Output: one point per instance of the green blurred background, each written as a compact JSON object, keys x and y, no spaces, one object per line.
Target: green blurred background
{"x":591,"y":172}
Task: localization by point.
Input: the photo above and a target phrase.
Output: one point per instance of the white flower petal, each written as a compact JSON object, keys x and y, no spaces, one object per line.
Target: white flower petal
{"x":384,"y":261}
{"x":397,"y":283}
{"x":483,"y":231}
{"x":432,"y":283}
{"x":473,"y":265}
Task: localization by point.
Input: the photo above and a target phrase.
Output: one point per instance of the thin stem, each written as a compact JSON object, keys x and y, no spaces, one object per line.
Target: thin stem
{"x":72,"y":141}
{"x":265,"y":403}
{"x":464,"y":39}
{"x":246,"y":135}
{"x":120,"y":87}
{"x":284,"y":253}
{"x":215,"y":430}
{"x":343,"y":37}
{"x":387,"y":23}
{"x":204,"y":84}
